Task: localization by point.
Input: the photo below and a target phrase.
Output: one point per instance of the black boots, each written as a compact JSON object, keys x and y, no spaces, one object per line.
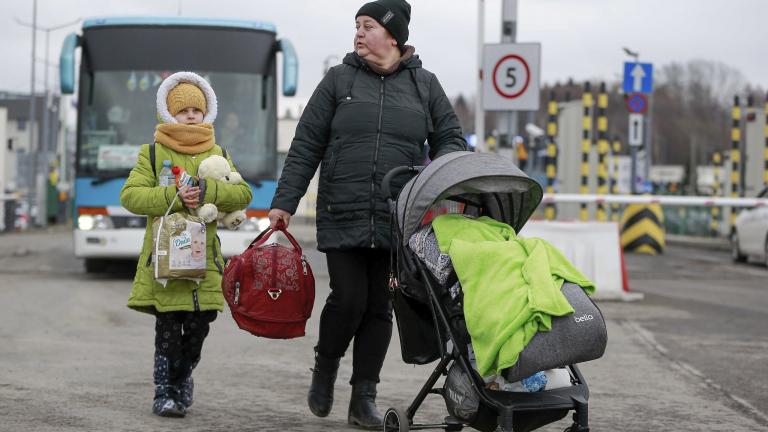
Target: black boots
{"x":320,"y":396}
{"x":166,"y":403}
{"x":362,"y":406}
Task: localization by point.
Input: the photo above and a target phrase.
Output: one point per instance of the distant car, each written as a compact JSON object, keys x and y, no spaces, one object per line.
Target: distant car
{"x":749,"y":238}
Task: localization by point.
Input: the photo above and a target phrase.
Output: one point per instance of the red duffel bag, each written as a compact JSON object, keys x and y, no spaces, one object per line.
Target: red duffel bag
{"x":270,"y":288}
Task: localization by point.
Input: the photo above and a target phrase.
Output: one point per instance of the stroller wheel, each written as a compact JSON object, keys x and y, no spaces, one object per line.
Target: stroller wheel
{"x":395,"y":420}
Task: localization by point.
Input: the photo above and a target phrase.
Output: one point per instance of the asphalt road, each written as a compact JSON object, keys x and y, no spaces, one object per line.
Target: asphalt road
{"x":691,"y":356}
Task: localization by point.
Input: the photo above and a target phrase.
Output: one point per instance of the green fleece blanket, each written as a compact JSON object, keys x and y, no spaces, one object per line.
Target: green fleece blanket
{"x":511,"y":285}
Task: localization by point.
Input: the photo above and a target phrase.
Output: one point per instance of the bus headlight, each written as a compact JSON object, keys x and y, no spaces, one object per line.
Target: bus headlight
{"x":85,"y":222}
{"x":94,"y":222}
{"x":102,"y":222}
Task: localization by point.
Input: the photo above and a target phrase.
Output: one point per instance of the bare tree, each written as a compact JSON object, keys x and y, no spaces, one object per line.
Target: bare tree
{"x":692,"y":104}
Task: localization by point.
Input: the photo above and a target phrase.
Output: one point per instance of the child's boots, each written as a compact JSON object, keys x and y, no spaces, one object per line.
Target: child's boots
{"x":186,"y":386}
{"x":167,"y":397}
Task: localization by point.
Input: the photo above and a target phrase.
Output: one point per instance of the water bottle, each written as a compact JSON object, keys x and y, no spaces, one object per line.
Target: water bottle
{"x":535,"y":382}
{"x":166,"y":177}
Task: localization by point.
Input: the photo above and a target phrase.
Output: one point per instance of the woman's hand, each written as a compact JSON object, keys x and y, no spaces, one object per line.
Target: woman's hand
{"x":190,"y":196}
{"x":277,"y":215}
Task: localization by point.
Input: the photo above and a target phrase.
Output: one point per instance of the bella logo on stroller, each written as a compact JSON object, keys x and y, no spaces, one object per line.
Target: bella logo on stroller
{"x":585,"y":317}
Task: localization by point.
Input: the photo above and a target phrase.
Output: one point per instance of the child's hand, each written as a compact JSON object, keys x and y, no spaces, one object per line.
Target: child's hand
{"x":191,"y":196}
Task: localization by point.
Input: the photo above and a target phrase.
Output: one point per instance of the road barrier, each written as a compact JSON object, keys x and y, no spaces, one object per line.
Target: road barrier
{"x":673,"y":200}
{"x":615,"y":210}
{"x":716,"y":163}
{"x":765,"y":150}
{"x":551,"y":211}
{"x":593,"y":247}
{"x":602,"y":150}
{"x":586,"y":146}
{"x":735,"y":152}
{"x":642,"y":229}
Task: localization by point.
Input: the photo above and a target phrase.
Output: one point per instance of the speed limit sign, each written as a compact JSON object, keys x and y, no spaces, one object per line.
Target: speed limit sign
{"x":511,"y":77}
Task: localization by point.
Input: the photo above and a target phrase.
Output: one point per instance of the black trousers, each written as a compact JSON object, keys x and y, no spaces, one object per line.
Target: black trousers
{"x":359,"y":307}
{"x":179,"y":337}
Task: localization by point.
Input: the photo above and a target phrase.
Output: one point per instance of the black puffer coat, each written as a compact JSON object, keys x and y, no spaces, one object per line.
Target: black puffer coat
{"x":357,"y":126}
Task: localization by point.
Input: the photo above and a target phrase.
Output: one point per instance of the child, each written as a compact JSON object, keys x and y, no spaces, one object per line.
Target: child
{"x":183,"y":309}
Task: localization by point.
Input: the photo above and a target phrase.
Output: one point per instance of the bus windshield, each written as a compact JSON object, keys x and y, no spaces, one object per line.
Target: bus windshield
{"x":118,"y":113}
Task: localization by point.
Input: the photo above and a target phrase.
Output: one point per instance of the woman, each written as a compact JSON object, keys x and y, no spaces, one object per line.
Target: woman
{"x":368,"y":115}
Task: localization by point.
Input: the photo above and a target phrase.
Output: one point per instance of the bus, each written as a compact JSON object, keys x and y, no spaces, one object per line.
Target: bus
{"x":123,"y":60}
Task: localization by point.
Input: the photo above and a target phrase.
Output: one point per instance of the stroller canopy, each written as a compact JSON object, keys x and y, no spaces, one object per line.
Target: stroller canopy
{"x":488,"y":183}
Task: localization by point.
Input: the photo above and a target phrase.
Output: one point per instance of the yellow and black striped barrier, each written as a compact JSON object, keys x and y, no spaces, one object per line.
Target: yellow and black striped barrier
{"x":765,"y":151}
{"x":642,"y":229}
{"x":586,"y":146}
{"x":715,"y":222}
{"x":735,"y":154}
{"x":550,"y":212}
{"x":602,"y":150}
{"x":615,"y":210}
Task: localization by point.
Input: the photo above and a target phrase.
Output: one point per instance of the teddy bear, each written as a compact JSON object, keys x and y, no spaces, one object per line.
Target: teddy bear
{"x":216,"y":167}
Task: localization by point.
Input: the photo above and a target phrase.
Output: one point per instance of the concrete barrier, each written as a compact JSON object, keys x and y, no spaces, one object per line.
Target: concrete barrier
{"x":594,"y":248}
{"x":642,"y":229}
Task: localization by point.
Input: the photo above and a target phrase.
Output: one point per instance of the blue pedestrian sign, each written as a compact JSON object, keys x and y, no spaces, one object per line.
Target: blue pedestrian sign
{"x":638,"y":77}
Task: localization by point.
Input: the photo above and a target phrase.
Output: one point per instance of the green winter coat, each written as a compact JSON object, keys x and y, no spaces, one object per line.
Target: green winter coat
{"x":357,"y":126}
{"x":142,"y":195}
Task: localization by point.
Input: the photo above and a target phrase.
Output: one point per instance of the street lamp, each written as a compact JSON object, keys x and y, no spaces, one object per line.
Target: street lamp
{"x":633,"y":54}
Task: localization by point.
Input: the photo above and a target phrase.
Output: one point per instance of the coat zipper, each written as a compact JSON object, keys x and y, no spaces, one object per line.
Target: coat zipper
{"x":196,"y":300}
{"x":375,"y":160}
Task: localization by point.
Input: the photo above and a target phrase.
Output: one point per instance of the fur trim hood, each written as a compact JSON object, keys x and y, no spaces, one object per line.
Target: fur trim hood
{"x":189,"y":77}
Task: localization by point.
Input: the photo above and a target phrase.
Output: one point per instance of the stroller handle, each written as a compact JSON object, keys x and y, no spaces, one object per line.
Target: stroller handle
{"x":386,"y":189}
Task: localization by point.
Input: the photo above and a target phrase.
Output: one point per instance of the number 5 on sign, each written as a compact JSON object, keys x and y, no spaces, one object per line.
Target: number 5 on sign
{"x":511,"y":77}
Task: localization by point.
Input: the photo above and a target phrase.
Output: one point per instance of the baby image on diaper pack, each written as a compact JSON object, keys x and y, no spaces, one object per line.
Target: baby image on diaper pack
{"x":187,"y":250}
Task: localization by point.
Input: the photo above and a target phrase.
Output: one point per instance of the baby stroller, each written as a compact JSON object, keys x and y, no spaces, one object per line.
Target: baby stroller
{"x":430,"y":315}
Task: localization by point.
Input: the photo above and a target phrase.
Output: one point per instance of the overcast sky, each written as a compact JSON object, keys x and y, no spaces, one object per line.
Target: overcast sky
{"x":580,"y":38}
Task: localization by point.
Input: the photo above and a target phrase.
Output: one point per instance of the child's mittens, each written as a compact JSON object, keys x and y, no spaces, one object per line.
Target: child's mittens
{"x":232,"y":220}
{"x":208,"y":212}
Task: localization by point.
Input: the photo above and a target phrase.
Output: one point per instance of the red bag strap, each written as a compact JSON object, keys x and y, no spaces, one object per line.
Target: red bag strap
{"x":267,"y":233}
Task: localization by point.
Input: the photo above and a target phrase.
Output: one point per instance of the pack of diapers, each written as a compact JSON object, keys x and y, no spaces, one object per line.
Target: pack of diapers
{"x":179,"y":247}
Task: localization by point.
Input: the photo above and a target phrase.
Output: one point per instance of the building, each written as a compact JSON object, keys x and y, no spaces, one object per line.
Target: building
{"x":20,"y":156}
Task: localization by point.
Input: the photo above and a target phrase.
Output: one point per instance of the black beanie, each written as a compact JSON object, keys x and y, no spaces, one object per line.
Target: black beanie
{"x":394,"y":15}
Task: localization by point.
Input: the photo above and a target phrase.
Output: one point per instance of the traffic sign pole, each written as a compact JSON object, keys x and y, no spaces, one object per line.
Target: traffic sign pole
{"x":509,"y":35}
{"x":648,"y":138}
{"x":638,"y":84}
{"x":479,"y":108}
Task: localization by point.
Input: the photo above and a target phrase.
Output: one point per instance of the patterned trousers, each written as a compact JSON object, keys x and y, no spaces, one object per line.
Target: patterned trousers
{"x":179,"y":338}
